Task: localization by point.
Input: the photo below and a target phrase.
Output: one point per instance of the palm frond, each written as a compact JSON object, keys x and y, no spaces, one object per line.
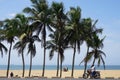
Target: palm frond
{"x":103,"y":61}
{"x":1,"y":52}
{"x":51,"y":54}
{"x":3,"y":47}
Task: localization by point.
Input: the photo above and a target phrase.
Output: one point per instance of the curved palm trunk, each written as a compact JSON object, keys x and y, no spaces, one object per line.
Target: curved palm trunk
{"x":73,"y":61}
{"x":9,"y":59}
{"x":30,"y":65}
{"x":86,"y":61}
{"x":57,"y":65}
{"x":23,"y":64}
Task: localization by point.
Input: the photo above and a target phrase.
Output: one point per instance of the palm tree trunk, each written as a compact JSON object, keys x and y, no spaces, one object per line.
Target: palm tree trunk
{"x":30,"y":65}
{"x":23,"y":64}
{"x":57,"y":65}
{"x":73,"y":61}
{"x":86,"y":61}
{"x":94,"y":56}
{"x":44,"y":51}
{"x":44,"y":62}
{"x":93,"y":61}
{"x":61,"y":67}
{"x":9,"y":59}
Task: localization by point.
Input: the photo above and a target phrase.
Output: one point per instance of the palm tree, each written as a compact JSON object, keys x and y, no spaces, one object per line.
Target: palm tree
{"x":88,"y":30}
{"x":97,"y":53}
{"x":58,"y":22}
{"x":20,"y":46}
{"x":10,"y":32}
{"x":40,"y":14}
{"x":29,"y":40}
{"x":75,"y":32}
{"x":54,"y":47}
{"x":32,"y":51}
{"x":23,"y":23}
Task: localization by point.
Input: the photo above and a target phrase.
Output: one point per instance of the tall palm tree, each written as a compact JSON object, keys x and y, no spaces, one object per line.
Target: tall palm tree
{"x":40,"y":14}
{"x":54,"y":47}
{"x":32,"y":51}
{"x":75,"y":32}
{"x":58,"y":22}
{"x":29,"y":40}
{"x":22,"y":23}
{"x":96,"y":53}
{"x":88,"y":30}
{"x":10,"y":32}
{"x":20,"y":46}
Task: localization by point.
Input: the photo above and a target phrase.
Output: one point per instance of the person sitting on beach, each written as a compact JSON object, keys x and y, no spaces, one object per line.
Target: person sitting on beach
{"x":92,"y":70}
{"x":11,"y":74}
{"x":65,"y":69}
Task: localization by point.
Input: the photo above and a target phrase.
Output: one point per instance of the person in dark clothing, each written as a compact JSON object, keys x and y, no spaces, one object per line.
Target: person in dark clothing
{"x":11,"y":74}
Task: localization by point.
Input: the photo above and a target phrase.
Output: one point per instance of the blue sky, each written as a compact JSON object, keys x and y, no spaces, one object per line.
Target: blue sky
{"x":106,"y":11}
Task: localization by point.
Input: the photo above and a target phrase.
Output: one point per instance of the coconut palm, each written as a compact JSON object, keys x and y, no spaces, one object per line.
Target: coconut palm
{"x":75,"y":32}
{"x":32,"y":51}
{"x":10,"y":31}
{"x":96,"y":53}
{"x":20,"y":46}
{"x":40,"y":14}
{"x":22,"y":23}
{"x":30,"y":39}
{"x":58,"y":22}
{"x":89,"y":30}
{"x":53,"y":46}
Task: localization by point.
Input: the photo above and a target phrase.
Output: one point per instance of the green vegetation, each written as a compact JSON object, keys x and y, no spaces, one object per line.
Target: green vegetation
{"x":65,"y":30}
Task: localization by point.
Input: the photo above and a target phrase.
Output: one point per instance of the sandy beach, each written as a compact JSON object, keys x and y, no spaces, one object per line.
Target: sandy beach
{"x":52,"y":73}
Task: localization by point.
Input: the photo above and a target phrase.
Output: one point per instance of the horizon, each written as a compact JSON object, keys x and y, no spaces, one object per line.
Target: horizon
{"x":108,"y":16}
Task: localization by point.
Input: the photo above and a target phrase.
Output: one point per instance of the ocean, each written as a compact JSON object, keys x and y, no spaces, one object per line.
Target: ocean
{"x":54,"y":67}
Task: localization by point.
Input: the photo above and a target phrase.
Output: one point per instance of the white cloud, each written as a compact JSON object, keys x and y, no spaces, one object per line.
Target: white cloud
{"x":12,"y":14}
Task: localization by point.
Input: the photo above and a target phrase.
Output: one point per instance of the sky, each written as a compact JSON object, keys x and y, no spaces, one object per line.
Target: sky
{"x":106,"y":11}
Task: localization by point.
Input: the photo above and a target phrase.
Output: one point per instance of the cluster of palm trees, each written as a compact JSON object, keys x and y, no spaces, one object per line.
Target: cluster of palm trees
{"x":65,"y":30}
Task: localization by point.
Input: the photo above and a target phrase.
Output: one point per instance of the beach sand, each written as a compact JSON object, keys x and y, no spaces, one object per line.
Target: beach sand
{"x":52,"y":73}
